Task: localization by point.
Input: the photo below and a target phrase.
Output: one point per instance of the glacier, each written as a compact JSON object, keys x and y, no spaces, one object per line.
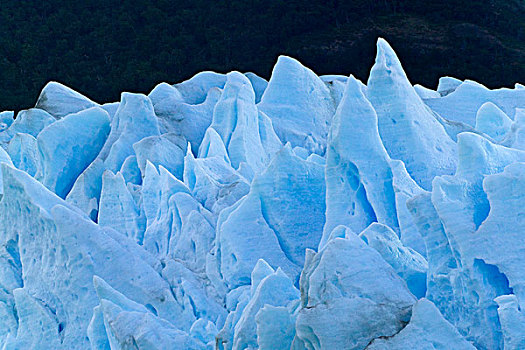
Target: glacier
{"x":229,"y":212}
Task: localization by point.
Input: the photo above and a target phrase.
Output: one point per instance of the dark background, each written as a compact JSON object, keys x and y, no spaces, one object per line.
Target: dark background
{"x":103,"y":47}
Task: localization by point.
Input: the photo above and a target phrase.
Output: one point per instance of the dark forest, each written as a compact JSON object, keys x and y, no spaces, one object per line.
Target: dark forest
{"x":103,"y":47}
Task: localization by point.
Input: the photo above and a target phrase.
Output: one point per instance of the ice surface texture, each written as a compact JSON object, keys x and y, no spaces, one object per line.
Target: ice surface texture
{"x":231,"y":212}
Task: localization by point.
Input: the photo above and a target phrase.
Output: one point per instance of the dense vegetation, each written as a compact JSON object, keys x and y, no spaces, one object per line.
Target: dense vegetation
{"x":102,"y":47}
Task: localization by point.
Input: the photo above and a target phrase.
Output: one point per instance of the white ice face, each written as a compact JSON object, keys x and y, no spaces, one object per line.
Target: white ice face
{"x":231,"y":212}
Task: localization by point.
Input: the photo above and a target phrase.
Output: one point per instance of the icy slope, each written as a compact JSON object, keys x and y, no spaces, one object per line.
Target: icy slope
{"x":228,"y":212}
